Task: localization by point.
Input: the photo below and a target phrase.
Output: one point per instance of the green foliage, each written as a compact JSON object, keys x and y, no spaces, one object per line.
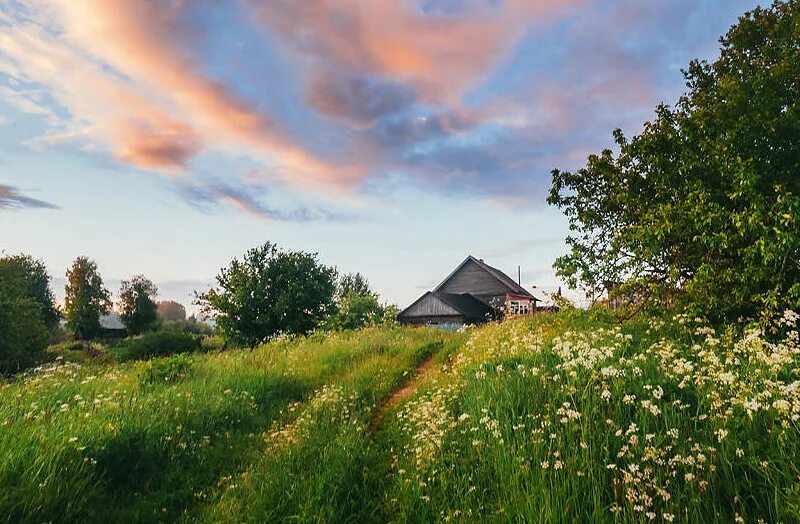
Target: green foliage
{"x":355,"y":283}
{"x":23,"y":333}
{"x":138,"y":311}
{"x":354,"y":311}
{"x":389,"y":315}
{"x":357,"y":306}
{"x":191,"y":325}
{"x":706,"y":200}
{"x":86,"y":299}
{"x":171,"y":311}
{"x":158,"y":343}
{"x":27,"y":312}
{"x":31,"y":275}
{"x":268,"y":292}
{"x":169,"y":369}
{"x":79,"y":351}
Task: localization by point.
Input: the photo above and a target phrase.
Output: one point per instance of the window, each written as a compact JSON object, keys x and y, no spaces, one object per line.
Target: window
{"x":519,"y":307}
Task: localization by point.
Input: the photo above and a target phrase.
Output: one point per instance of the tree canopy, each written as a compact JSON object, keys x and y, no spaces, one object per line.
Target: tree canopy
{"x":27,"y":312}
{"x":703,"y":205}
{"x":356,"y":304}
{"x":86,"y":299}
{"x":138,"y":310}
{"x":270,"y":291}
{"x":34,"y":280}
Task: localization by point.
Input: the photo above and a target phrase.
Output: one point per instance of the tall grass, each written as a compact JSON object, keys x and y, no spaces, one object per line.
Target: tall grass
{"x":574,"y":417}
{"x":567,"y":419}
{"x":91,"y":443}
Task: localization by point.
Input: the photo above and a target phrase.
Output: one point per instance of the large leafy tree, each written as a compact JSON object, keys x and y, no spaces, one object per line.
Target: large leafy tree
{"x":138,"y":310}
{"x":270,"y":291}
{"x":27,"y":312}
{"x":86,"y":299}
{"x":704,"y":204}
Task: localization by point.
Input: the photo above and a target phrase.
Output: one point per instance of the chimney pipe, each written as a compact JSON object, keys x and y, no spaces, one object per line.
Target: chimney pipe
{"x":519,"y":275}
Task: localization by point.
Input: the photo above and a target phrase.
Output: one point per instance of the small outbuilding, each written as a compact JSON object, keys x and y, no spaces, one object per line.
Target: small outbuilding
{"x":473,"y":293}
{"x":111,"y":326}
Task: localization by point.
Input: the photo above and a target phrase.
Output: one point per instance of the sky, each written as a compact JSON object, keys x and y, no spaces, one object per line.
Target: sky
{"x":392,"y":137}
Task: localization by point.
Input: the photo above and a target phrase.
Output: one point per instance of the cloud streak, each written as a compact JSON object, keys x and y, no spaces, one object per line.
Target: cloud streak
{"x":12,"y":199}
{"x":208,"y":195}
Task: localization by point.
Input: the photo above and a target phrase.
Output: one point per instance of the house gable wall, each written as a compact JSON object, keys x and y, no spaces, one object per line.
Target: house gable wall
{"x":473,"y":279}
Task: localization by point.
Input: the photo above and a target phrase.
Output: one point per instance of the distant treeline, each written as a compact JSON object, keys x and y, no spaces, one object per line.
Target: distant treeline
{"x":269,"y":292}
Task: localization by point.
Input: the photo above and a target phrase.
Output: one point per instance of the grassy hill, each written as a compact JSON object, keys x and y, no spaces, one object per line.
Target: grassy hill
{"x":568,"y":417}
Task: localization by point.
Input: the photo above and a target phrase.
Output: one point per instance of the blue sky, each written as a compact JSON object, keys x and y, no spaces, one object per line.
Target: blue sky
{"x":392,"y":137}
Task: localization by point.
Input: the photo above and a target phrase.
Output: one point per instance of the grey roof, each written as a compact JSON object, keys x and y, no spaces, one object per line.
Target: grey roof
{"x":509,"y":282}
{"x":469,"y":306}
{"x":466,"y":305}
{"x":111,"y":321}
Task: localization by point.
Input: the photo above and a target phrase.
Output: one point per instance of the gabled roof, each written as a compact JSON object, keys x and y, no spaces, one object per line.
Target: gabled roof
{"x":507,"y":281}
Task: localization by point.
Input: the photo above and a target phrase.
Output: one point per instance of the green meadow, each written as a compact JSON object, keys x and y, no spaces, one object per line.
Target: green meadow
{"x":566,"y":417}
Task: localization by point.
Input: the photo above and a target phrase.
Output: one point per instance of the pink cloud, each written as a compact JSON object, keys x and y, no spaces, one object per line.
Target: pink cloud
{"x":440,"y":55}
{"x":103,"y":108}
{"x":146,"y":41}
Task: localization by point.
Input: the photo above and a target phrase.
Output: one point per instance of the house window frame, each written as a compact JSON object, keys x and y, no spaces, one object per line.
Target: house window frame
{"x":518,"y":307}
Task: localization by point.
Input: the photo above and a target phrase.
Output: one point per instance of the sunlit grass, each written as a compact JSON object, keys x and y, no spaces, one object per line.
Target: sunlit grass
{"x":574,"y":417}
{"x":99,"y":443}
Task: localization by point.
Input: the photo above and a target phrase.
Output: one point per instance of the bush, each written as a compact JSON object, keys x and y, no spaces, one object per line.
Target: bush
{"x":79,"y":351}
{"x":169,"y":369}
{"x":158,"y":343}
{"x":189,"y":326}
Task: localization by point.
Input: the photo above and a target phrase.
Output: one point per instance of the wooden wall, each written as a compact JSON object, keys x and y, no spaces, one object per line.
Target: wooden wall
{"x":473,"y":279}
{"x":430,"y":306}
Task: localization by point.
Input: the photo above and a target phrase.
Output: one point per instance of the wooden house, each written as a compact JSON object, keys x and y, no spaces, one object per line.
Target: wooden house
{"x":472,"y":294}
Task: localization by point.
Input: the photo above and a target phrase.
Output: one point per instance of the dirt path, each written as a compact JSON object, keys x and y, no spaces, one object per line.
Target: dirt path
{"x":399,"y":394}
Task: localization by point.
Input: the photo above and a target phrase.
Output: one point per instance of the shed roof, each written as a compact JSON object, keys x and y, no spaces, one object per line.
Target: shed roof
{"x":462,"y":304}
{"x":468,"y":305}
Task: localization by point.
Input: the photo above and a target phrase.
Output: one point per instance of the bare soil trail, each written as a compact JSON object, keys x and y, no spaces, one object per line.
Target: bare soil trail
{"x":404,"y":391}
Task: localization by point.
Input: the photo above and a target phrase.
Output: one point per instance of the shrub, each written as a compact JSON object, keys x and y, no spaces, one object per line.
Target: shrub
{"x":159,"y":343}
{"x":169,"y":369}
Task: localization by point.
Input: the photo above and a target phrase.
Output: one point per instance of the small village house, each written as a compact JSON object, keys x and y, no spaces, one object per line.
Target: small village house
{"x":473,"y":293}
